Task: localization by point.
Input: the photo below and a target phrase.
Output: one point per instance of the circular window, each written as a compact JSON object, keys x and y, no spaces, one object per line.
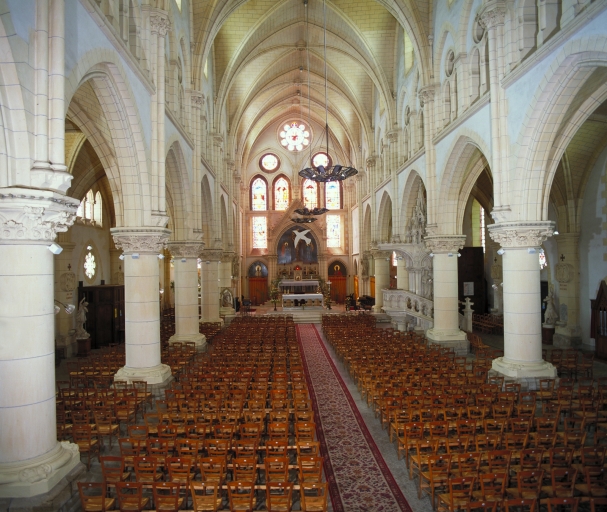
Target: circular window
{"x":90,"y":266}
{"x":449,"y":63}
{"x":269,"y":162}
{"x":321,"y":159}
{"x":294,"y":136}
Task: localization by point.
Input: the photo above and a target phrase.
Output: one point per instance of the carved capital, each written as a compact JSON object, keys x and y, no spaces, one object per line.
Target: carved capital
{"x":142,"y":241}
{"x":28,"y":215}
{"x":494,"y":14}
{"x":392,"y":136}
{"x":521,"y":234}
{"x":211,"y":255}
{"x":426,"y":94}
{"x":227,"y":257}
{"x":197,"y":99}
{"x":442,"y":244}
{"x":160,"y":24}
{"x":187,"y":249}
{"x":381,"y":255}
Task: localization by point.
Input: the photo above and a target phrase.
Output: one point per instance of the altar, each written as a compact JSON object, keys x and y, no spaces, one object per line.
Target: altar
{"x":298,"y":285}
{"x":312,"y":300}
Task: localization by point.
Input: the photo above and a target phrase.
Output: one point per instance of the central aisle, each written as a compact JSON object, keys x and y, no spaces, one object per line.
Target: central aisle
{"x":358,"y":477}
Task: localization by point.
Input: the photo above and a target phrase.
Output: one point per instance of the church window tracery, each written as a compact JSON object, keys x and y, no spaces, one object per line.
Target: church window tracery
{"x":333,"y":195}
{"x":310,"y":194}
{"x":259,"y":195}
{"x":260,"y":235}
{"x":333,"y":231}
{"x":281,"y":194}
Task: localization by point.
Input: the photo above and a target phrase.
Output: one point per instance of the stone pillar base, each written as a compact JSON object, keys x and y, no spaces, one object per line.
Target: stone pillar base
{"x":199,"y":339}
{"x":156,"y":375}
{"x":25,"y":479}
{"x":457,"y":340}
{"x":525,"y":373}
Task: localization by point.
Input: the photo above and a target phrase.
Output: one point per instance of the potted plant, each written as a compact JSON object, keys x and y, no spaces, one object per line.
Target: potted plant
{"x":275,"y":292}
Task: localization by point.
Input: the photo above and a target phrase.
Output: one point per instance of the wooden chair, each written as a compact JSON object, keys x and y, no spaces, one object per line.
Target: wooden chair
{"x":562,"y":504}
{"x":104,"y":425}
{"x":492,"y":486}
{"x":598,"y":504}
{"x":112,"y":470}
{"x":130,"y":497}
{"x":459,"y":495}
{"x":241,"y":496}
{"x":205,"y":496}
{"x":436,"y":477}
{"x":166,"y":496}
{"x":147,"y":470}
{"x":528,"y":484}
{"x":563,"y":482}
{"x":482,"y":506}
{"x":279,"y":496}
{"x":213,"y":469}
{"x":310,"y":468}
{"x":245,"y":469}
{"x":93,"y":497}
{"x":519,"y":505}
{"x":276,"y":469}
{"x":87,"y":442}
{"x":313,"y":496}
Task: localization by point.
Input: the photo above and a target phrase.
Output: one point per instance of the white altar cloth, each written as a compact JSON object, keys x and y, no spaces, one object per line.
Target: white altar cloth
{"x":300,"y":296}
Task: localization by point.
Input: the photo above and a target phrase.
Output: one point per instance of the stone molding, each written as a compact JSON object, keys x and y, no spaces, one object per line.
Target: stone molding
{"x":493,"y":15}
{"x":186,"y":249}
{"x":34,"y":218}
{"x":441,"y":244}
{"x":518,"y":235}
{"x":144,"y":241}
{"x":211,"y":255}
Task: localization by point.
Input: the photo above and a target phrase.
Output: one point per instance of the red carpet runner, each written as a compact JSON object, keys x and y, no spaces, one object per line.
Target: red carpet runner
{"x":356,"y":471}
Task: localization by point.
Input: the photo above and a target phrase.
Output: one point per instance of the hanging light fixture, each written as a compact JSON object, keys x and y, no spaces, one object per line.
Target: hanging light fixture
{"x":303,"y":220}
{"x":313,"y":211}
{"x":322,"y":173}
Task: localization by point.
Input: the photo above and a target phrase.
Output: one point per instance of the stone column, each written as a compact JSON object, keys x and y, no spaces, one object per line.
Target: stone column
{"x":187,"y":326}
{"x":209,"y":274}
{"x":225,"y":281}
{"x":567,"y":272}
{"x":446,"y":330}
{"x":31,"y":460}
{"x":402,"y":274}
{"x":382,"y":277}
{"x":522,"y":300}
{"x":141,"y":247}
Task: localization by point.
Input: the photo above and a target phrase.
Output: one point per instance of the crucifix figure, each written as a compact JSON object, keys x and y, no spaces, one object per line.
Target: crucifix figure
{"x":69,"y":266}
{"x":562,"y":257}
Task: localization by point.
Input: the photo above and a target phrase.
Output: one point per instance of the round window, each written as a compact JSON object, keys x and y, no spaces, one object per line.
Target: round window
{"x":321,"y":159}
{"x":295,"y":136}
{"x":269,"y":162}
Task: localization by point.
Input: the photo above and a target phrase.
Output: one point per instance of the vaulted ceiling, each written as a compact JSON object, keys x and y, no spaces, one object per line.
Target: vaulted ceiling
{"x":263,"y":49}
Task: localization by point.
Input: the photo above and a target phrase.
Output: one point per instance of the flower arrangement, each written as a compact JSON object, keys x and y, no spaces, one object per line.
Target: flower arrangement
{"x":275,"y":292}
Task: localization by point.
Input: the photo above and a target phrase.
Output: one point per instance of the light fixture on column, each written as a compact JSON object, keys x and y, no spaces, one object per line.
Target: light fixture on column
{"x":68,"y":308}
{"x":450,"y":254}
{"x":531,"y":250}
{"x":55,"y":248}
{"x":555,"y":232}
{"x":121,"y":257}
{"x":459,"y":254}
{"x":183,"y":260}
{"x":432,"y":255}
{"x":329,"y":172}
{"x":494,"y":286}
{"x":208,"y":262}
{"x":161,"y":256}
{"x":501,"y":251}
{"x":135,"y":255}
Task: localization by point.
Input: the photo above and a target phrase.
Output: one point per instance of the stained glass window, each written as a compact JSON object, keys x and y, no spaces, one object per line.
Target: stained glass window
{"x":259,"y":194}
{"x":294,"y":136}
{"x":269,"y":162}
{"x":260,"y":236}
{"x":310,"y":194}
{"x":333,"y":231}
{"x":90,"y":265}
{"x":321,"y":159}
{"x":281,"y":194}
{"x":332,"y":195}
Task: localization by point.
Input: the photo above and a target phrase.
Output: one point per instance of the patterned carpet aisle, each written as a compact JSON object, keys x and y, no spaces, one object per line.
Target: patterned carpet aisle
{"x":358,"y":477}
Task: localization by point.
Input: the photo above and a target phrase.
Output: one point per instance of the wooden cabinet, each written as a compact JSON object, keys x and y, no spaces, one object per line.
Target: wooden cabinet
{"x":598,"y":325}
{"x":105,"y":317}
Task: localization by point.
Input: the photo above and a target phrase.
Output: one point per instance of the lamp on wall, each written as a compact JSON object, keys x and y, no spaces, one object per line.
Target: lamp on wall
{"x":68,"y":308}
{"x":501,"y":251}
{"x":55,"y":248}
{"x":332,"y":172}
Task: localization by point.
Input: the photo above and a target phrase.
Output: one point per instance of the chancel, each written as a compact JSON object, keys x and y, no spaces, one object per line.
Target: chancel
{"x":222,"y":213}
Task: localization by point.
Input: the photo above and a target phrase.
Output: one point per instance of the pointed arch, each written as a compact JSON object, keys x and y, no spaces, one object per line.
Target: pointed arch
{"x":207,"y":211}
{"x":384,"y":218}
{"x":177,"y":186}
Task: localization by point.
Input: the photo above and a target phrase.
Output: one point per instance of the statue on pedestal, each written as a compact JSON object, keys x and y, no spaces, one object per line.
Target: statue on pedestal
{"x":550,"y":316}
{"x":81,"y":319}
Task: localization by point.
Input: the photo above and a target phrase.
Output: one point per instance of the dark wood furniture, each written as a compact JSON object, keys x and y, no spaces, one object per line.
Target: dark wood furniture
{"x":105,"y":317}
{"x":598,"y":321}
{"x":471,"y":269}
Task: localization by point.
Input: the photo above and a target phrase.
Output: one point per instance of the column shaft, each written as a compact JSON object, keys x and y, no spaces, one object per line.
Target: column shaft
{"x":382,"y":278}
{"x":210,"y":285}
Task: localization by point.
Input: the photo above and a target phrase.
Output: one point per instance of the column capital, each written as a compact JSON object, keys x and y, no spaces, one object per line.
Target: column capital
{"x":426,"y":94}
{"x":227,"y":256}
{"x":186,"y":249}
{"x":392,"y":136}
{"x":197,"y":99}
{"x":211,"y":255}
{"x":518,"y":235}
{"x":140,"y":240}
{"x":493,"y":14}
{"x":443,"y":244}
{"x":160,"y":23}
{"x":34,"y":216}
{"x":371,"y":161}
{"x":377,"y":255}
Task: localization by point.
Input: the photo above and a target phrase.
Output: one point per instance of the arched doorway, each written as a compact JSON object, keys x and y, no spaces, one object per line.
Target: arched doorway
{"x":258,"y":283}
{"x":337,"y":276}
